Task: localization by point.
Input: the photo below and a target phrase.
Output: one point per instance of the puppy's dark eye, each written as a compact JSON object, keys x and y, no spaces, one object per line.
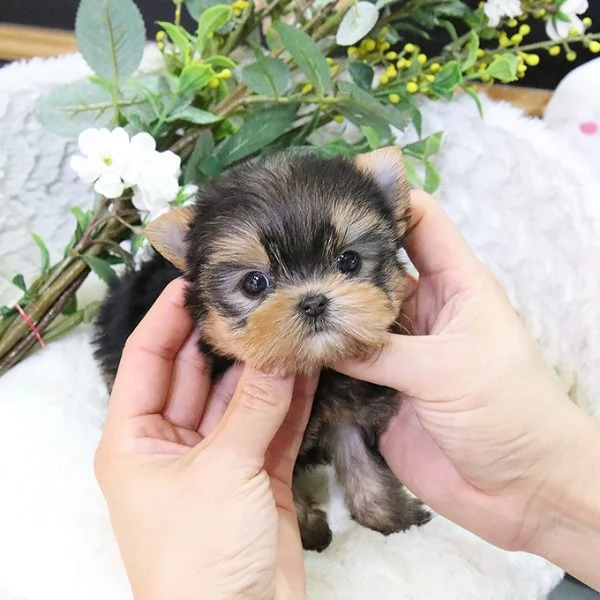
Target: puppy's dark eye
{"x":349,"y":262}
{"x":255,"y":283}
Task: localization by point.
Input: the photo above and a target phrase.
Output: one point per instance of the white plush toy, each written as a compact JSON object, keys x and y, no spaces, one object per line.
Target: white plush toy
{"x":574,"y":112}
{"x":527,"y":202}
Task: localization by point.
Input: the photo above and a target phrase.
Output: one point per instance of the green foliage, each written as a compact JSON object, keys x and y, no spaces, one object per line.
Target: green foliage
{"x":307,"y":56}
{"x":258,"y":131}
{"x":503,"y":68}
{"x":70,"y":109}
{"x":110,"y":36}
{"x":211,"y":20}
{"x":101,"y":267}
{"x":267,"y":76}
{"x":43,"y":251}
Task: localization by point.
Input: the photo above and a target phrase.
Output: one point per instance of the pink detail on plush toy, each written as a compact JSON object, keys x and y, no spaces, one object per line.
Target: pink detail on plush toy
{"x":588,"y":128}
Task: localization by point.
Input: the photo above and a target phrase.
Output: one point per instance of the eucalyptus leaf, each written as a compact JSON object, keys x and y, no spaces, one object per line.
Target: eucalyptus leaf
{"x":373,"y":138}
{"x":101,"y":267}
{"x":110,"y":36}
{"x":267,"y":76}
{"x":257,"y":132}
{"x":211,"y":20}
{"x":307,"y":56}
{"x":356,"y":23}
{"x":362,"y":74}
{"x":191,"y":114}
{"x":43,"y":251}
{"x":503,"y":68}
{"x":71,"y":108}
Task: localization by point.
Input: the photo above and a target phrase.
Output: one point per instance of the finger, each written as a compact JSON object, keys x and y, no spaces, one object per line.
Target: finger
{"x":254,"y":415}
{"x":433,"y":242}
{"x":142,"y":383}
{"x":190,"y":385}
{"x":407,"y":364}
{"x":283,"y":450}
{"x":220,"y":397}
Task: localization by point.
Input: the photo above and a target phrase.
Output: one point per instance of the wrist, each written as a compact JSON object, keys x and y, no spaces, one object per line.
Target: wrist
{"x":567,"y":505}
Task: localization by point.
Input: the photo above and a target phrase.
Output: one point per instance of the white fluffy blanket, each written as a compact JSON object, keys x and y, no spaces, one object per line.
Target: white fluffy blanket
{"x":528,"y":206}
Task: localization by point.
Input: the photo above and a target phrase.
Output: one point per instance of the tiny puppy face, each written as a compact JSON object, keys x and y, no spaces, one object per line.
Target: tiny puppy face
{"x":292,"y":260}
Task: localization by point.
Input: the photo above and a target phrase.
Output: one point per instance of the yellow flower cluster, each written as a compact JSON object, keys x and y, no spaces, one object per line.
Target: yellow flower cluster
{"x":239,"y":6}
{"x":215,"y":81}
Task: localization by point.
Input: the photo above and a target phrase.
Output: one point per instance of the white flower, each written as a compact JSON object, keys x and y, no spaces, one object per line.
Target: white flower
{"x":495,"y":10}
{"x":558,"y":29}
{"x":157,"y":183}
{"x":114,"y":163}
{"x":357,"y":22}
{"x":102,"y":161}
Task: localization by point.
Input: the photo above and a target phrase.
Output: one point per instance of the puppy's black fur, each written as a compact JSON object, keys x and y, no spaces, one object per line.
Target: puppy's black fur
{"x":291,"y":218}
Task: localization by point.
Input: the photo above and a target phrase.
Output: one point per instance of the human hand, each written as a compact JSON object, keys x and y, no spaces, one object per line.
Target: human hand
{"x":198,"y":481}
{"x":485,"y":434}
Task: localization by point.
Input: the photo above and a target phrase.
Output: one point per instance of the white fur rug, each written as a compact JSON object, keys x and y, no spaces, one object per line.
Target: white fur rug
{"x":528,"y":206}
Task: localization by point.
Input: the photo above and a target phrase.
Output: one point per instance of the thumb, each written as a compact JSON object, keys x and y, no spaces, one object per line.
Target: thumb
{"x":408,"y":364}
{"x":255,"y":414}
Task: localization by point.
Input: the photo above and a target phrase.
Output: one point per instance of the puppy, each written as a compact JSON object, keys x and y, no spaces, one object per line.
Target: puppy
{"x":292,"y":265}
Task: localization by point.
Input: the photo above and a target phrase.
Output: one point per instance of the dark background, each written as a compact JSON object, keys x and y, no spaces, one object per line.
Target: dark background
{"x":61,"y":14}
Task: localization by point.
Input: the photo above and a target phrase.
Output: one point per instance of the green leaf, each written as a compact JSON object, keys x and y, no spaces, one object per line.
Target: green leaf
{"x":194,"y":77}
{"x":449,"y":77}
{"x":426,"y":147}
{"x":204,"y":147}
{"x":43,"y":251}
{"x":338,"y":147}
{"x":70,"y":306}
{"x":267,"y":76}
{"x":503,"y":68}
{"x":197,"y":7}
{"x":432,"y":178}
{"x":178,"y":37}
{"x":363,"y":109}
{"x":90,"y":312}
{"x":362,"y":74}
{"x":472,"y":91}
{"x":19,"y":281}
{"x":100,"y":267}
{"x":257,"y":132}
{"x":473,"y":47}
{"x":143,"y":98}
{"x":71,"y":108}
{"x":111,"y":36}
{"x":191,"y":114}
{"x":82,"y":218}
{"x":220,"y":61}
{"x":372,"y":136}
{"x":211,"y":20}
{"x":307,"y":55}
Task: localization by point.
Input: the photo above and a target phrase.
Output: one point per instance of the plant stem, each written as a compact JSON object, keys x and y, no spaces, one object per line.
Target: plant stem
{"x":54,"y":294}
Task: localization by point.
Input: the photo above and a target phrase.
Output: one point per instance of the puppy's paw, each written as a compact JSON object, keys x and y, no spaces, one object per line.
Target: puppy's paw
{"x":314,"y":530}
{"x":393,"y":514}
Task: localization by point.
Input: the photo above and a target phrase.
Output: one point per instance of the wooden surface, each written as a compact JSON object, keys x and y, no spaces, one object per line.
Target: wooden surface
{"x":18,"y":42}
{"x":530,"y":100}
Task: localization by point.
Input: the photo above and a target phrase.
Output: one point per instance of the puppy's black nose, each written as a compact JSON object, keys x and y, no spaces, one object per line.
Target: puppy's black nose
{"x":314,"y":306}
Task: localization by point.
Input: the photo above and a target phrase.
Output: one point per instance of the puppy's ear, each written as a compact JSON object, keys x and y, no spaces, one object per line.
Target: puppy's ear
{"x":167,"y":234}
{"x":386,"y":166}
